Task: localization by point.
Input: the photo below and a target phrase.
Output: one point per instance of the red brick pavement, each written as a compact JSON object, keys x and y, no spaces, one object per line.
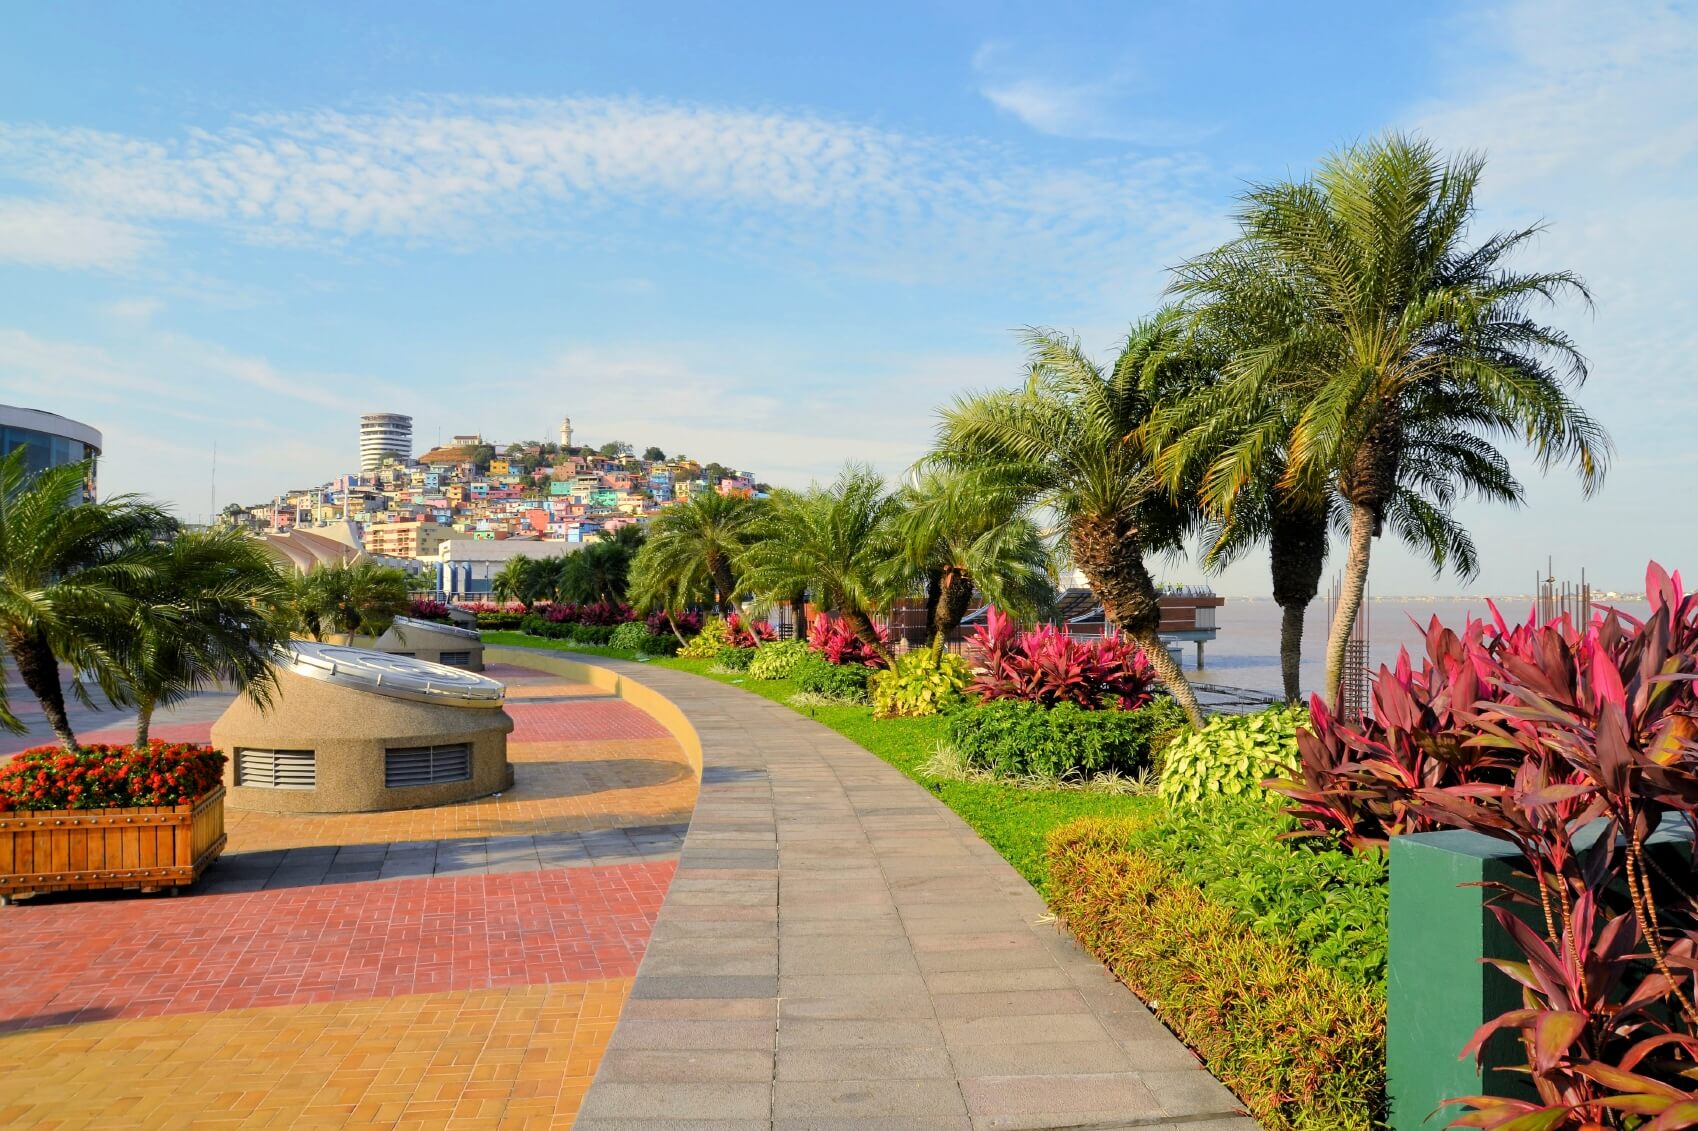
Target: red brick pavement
{"x":141,"y":958}
{"x":590,"y":721}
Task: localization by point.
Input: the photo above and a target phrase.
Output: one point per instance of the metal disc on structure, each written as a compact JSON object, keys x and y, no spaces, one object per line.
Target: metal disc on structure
{"x":399,"y":677}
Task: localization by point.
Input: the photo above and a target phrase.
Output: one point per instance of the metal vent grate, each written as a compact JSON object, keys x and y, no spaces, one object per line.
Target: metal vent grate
{"x":426,"y":765}
{"x":455,"y":659}
{"x":276,"y":769}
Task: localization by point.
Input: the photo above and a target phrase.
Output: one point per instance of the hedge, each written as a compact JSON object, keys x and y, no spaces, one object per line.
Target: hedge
{"x":1015,"y":738}
{"x":1302,"y":1047}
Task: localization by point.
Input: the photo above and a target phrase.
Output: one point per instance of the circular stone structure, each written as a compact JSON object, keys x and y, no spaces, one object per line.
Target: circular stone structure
{"x":351,"y":730}
{"x":433,"y":642}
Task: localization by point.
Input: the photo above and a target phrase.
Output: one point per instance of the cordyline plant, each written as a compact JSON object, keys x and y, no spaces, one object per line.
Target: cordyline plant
{"x":1576,"y":745}
{"x":832,"y":638}
{"x":1045,"y":665}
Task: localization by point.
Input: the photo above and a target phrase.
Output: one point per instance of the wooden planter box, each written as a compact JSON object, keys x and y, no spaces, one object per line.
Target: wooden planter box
{"x":147,"y":846}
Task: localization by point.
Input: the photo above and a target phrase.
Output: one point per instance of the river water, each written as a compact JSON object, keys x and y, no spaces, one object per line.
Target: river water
{"x":1246,"y":653}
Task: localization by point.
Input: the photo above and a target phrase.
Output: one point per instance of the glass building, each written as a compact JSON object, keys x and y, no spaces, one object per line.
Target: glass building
{"x":48,"y":439}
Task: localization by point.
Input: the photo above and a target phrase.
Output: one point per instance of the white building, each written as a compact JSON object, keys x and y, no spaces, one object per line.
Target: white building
{"x":384,"y":434}
{"x":565,"y":434}
{"x":465,"y":567}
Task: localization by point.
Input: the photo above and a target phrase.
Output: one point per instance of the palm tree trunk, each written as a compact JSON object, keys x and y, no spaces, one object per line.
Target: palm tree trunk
{"x":862,"y":626}
{"x":1362,"y":524}
{"x":719,"y":569}
{"x":673,"y":625}
{"x":1297,"y":553}
{"x":144,"y":720}
{"x":934,"y":597}
{"x":1171,"y":675}
{"x":799,"y":610}
{"x":39,"y":669}
{"x":1108,"y":554}
{"x":1291,"y":651}
{"x":957,"y":593}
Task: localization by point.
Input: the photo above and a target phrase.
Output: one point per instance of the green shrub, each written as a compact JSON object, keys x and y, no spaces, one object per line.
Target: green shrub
{"x":846,"y":683}
{"x":920,"y":684}
{"x":502,"y":620}
{"x":596,"y":634}
{"x":705,"y":645}
{"x":660,"y":644}
{"x":777,"y":659}
{"x":1016,"y":738}
{"x":735,"y":659}
{"x":1232,"y":755}
{"x":1328,"y":904}
{"x":632,"y":636}
{"x":1303,"y":1047}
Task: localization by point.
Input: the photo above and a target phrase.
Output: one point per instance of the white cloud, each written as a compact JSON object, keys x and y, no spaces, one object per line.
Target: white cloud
{"x":461,"y":171}
{"x":1106,"y":108}
{"x":43,"y":233}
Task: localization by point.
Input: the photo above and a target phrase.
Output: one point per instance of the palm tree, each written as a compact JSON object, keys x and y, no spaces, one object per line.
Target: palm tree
{"x":962,"y":531}
{"x":601,"y":571}
{"x":1232,"y":453}
{"x":1061,"y":444}
{"x":206,"y":611}
{"x":359,"y":599}
{"x":695,"y":545}
{"x":1410,"y":353}
{"x":836,"y":543}
{"x":509,"y":580}
{"x":654,"y":589}
{"x":65,"y":569}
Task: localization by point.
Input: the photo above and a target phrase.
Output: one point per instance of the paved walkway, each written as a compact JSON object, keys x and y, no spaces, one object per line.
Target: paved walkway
{"x":839,"y":950}
{"x":435,"y":968}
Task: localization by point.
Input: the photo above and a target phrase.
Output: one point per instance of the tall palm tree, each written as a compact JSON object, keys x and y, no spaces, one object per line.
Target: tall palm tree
{"x":834,"y":542}
{"x":360,"y":599}
{"x":510,"y":580}
{"x":961,"y":531}
{"x":696,"y":544}
{"x":1412,"y":352}
{"x":1062,"y":443}
{"x":601,"y":571}
{"x":208,"y":610}
{"x":1232,"y":453}
{"x":65,"y":569}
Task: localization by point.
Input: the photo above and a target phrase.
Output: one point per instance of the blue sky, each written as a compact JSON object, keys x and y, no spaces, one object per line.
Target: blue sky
{"x":776,"y":235}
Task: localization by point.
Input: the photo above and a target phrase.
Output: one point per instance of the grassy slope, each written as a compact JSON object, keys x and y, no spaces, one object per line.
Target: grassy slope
{"x":1014,"y":820}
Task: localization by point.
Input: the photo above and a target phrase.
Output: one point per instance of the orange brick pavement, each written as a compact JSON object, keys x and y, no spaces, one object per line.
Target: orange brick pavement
{"x":520,"y":1056}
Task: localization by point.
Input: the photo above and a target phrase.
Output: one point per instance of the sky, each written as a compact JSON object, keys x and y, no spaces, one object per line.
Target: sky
{"x":779,"y":236}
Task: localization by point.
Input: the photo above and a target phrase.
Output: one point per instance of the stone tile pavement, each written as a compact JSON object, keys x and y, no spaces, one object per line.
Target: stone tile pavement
{"x":839,"y":950}
{"x":452,"y":967}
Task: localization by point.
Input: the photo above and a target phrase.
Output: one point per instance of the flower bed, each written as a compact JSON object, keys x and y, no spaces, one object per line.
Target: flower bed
{"x":109,"y":817}
{"x":1301,"y":1045}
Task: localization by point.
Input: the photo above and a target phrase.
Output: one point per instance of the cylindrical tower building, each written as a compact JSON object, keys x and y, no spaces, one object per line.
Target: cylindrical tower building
{"x":384,"y":434}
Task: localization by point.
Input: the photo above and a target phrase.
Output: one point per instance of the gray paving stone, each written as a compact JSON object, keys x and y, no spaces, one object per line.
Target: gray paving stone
{"x":835,"y":926}
{"x":711,"y":985}
{"x":856,"y":1099}
{"x":1116,"y":1095}
{"x":677,"y":1100}
{"x":692,"y":1066}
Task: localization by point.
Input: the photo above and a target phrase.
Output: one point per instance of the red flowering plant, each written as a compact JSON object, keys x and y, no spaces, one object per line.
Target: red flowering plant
{"x":832,"y":638}
{"x":425,"y":609}
{"x":594,"y":614}
{"x":689,"y":623}
{"x":1045,"y":665}
{"x":109,"y":777}
{"x":492,"y":606}
{"x":750,"y":635}
{"x":1579,"y":746}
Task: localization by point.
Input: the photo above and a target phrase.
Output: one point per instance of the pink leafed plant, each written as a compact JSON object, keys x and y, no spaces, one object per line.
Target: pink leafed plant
{"x":1045,"y":665}
{"x":832,"y":638}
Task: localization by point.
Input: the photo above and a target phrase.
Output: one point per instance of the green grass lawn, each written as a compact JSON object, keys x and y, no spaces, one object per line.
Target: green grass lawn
{"x":1013,"y":819}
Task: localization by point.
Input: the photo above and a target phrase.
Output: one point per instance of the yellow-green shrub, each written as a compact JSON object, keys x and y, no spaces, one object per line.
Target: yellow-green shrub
{"x":1303,"y":1048}
{"x":705,"y":645}
{"x":1232,"y":755}
{"x":920,"y":684}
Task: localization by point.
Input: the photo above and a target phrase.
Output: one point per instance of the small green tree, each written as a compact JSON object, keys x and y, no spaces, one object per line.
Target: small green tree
{"x":835,"y":542}
{"x":359,"y":599}
{"x":208,"y":610}
{"x":66,"y":566}
{"x":654,"y":455}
